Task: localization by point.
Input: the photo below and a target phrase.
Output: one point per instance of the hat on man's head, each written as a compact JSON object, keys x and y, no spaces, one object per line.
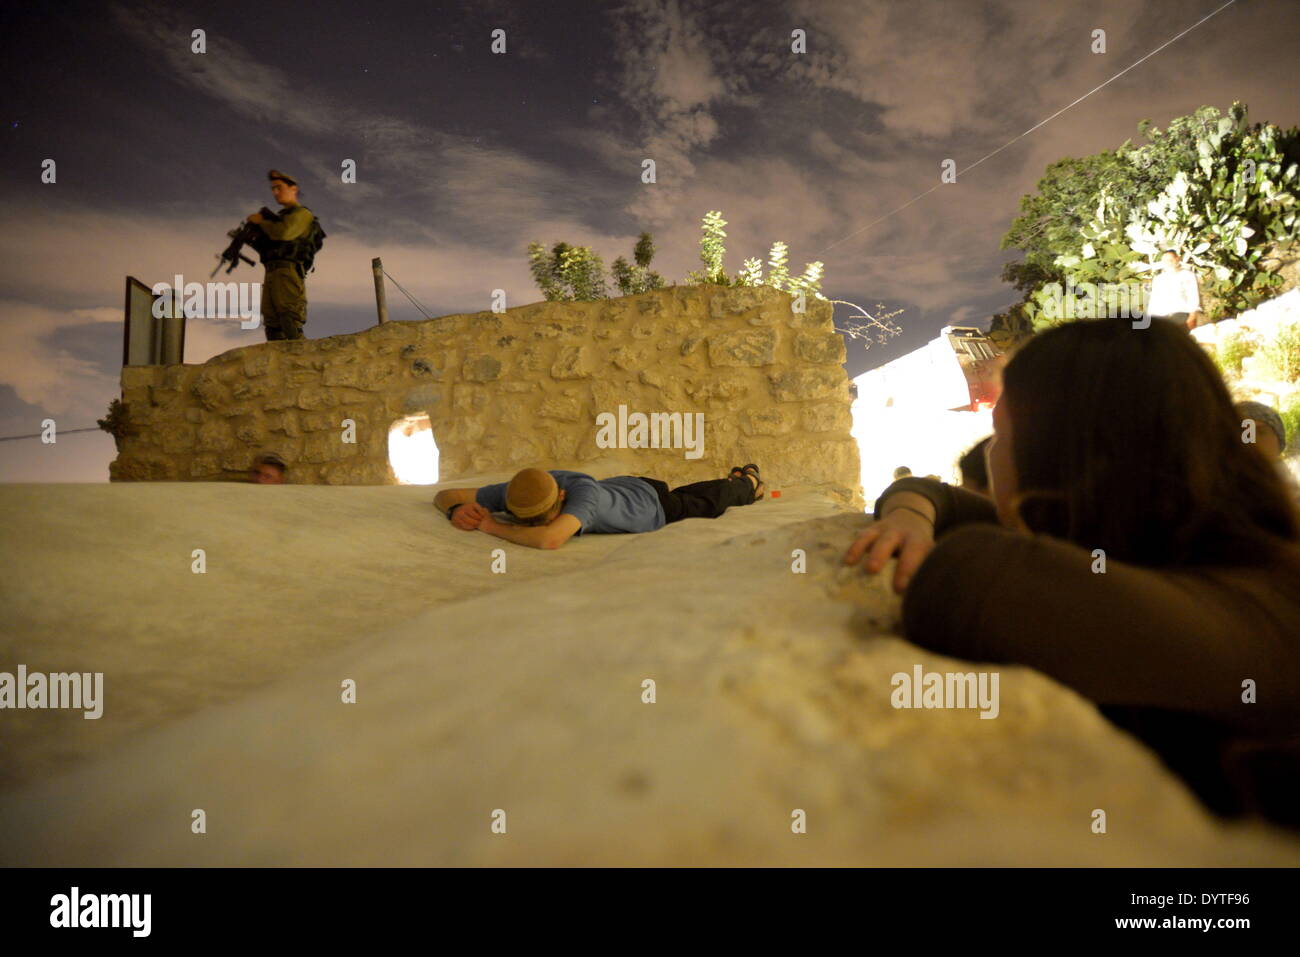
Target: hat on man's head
{"x":1264,"y":415}
{"x":280,"y":174}
{"x":531,"y":492}
{"x":270,"y":458}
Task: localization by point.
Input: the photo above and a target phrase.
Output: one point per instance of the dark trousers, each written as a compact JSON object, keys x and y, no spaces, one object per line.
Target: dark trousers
{"x":707,"y":499}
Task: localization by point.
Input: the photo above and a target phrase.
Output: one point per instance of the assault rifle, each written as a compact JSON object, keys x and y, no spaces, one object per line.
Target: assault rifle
{"x":245,"y":234}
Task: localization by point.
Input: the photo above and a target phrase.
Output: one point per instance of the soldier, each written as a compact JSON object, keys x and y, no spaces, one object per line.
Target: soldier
{"x":285,"y":249}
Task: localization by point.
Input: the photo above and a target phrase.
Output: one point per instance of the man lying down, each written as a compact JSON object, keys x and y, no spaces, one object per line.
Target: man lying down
{"x":547,"y":508}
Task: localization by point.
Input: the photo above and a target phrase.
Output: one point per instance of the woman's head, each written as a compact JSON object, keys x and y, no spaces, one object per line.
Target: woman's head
{"x":1126,"y":440}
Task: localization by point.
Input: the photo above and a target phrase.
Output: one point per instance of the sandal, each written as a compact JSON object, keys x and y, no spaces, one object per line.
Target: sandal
{"x":759,"y":487}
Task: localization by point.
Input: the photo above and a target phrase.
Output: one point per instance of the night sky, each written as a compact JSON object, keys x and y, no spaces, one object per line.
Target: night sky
{"x":464,"y":156}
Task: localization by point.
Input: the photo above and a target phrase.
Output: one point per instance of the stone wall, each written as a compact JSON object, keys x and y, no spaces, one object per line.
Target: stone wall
{"x":518,"y":388}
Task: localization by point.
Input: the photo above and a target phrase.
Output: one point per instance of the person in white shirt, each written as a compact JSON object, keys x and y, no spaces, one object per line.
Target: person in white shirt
{"x":1175,"y":294}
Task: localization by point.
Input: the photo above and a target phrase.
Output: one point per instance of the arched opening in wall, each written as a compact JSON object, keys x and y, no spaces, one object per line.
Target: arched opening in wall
{"x":412,"y":452}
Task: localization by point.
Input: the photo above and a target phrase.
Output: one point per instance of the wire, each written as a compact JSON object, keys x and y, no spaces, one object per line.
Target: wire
{"x":37,"y":435}
{"x":1035,"y":126}
{"x":415,"y":302}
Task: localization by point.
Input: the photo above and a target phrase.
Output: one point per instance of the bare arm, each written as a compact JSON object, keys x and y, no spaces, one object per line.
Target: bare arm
{"x":535,"y":536}
{"x":909,"y":515}
{"x":453,"y":496}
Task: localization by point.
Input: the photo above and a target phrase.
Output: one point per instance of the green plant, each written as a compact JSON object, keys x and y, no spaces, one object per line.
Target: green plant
{"x":713,"y":249}
{"x":751,"y":273}
{"x":567,"y":273}
{"x":1217,"y":190}
{"x":1228,"y":208}
{"x":1290,"y":414}
{"x":778,"y":269}
{"x":1279,"y":358}
{"x":636,"y":277}
{"x":118,"y":422}
{"x":1231,"y":351}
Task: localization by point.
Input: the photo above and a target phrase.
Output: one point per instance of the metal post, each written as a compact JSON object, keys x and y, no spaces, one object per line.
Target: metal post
{"x":377,"y":267}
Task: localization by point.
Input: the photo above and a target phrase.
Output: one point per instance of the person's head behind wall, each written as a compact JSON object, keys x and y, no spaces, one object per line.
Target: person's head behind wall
{"x":533,"y":497}
{"x":269,"y":469}
{"x":1126,"y":440}
{"x":1270,"y":432}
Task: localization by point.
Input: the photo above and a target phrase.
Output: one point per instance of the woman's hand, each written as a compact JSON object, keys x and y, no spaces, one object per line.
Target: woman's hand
{"x":900,"y":532}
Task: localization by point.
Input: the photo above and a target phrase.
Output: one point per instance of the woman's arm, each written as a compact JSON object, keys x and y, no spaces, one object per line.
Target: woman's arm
{"x":950,"y":506}
{"x":1119,"y":634}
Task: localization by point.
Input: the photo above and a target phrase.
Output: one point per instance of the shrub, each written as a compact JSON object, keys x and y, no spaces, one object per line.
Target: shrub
{"x":1279,"y":358}
{"x":1231,"y":351}
{"x":1291,"y":421}
{"x":117,"y":423}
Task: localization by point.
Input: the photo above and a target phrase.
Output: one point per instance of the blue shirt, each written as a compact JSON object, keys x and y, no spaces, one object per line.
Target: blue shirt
{"x":620,"y":504}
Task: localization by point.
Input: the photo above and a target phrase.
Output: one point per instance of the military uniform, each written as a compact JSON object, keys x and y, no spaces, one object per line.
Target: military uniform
{"x":284,"y":290}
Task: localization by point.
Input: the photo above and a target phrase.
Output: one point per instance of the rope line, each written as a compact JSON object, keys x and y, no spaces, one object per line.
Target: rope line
{"x":1034,"y":127}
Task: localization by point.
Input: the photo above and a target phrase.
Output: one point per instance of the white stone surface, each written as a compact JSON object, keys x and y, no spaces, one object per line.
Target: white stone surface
{"x":522,"y":692}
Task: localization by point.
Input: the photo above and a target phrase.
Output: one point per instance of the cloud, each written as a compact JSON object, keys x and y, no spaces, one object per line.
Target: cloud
{"x":226,"y":72}
{"x":671,"y":80}
{"x":43,"y":373}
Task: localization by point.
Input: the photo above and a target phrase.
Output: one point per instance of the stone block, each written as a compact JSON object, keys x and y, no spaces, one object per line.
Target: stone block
{"x":823,"y":348}
{"x":320,"y":421}
{"x":571,"y":364}
{"x":825,"y":417}
{"x":204,"y":466}
{"x":563,"y":407}
{"x":724,"y":386}
{"x":469,"y":398}
{"x":214,"y":437}
{"x":423,"y":399}
{"x":769,"y":421}
{"x":367,"y":376}
{"x":793,"y":385}
{"x":249,"y":390}
{"x":208,"y":391}
{"x":327,"y":447}
{"x":627,"y":358}
{"x":313,"y":399}
{"x":745,"y":347}
{"x":532,"y":359}
{"x":257,"y":363}
{"x":174,"y":439}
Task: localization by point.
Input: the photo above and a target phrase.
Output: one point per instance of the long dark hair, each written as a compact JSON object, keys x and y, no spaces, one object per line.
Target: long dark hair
{"x":1126,"y":440}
